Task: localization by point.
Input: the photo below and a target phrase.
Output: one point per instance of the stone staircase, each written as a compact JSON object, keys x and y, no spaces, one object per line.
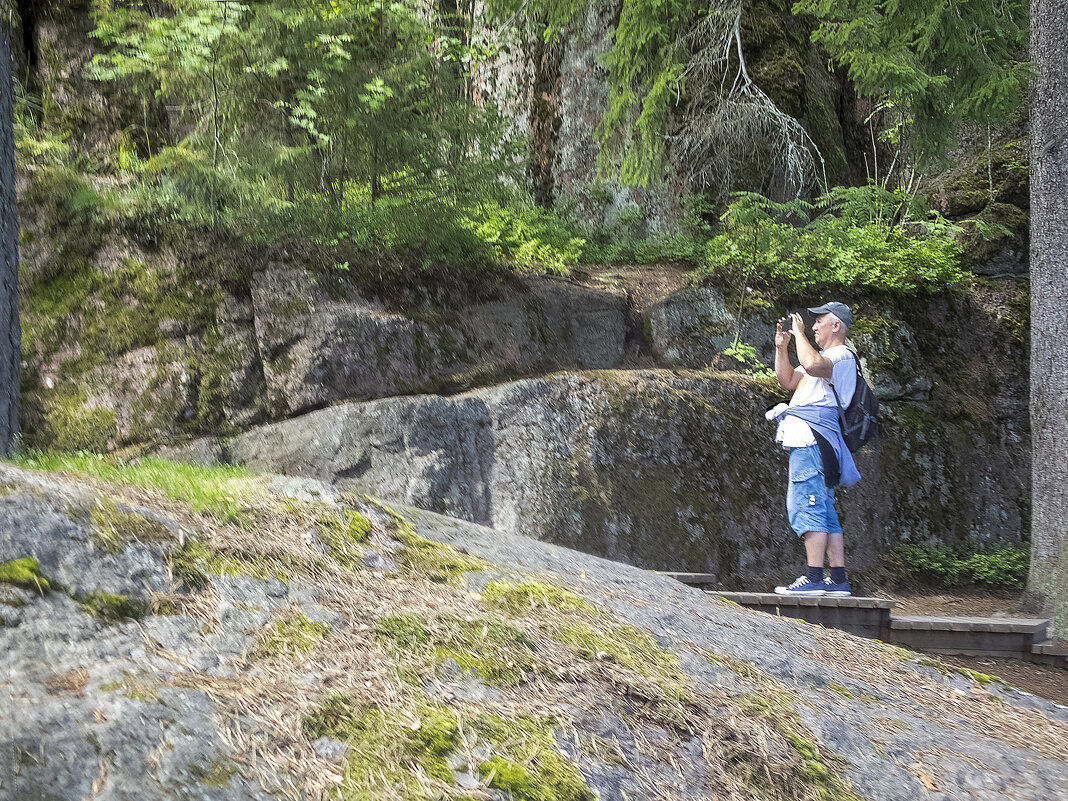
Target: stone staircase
{"x":1013,"y":638}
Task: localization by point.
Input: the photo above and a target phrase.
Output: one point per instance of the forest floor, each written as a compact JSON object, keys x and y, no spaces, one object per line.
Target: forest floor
{"x":1047,"y":681}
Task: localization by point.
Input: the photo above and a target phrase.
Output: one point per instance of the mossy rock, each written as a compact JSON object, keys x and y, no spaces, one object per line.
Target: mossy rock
{"x":384,"y":744}
{"x":24,"y":573}
{"x":527,"y":764}
{"x":109,"y":608}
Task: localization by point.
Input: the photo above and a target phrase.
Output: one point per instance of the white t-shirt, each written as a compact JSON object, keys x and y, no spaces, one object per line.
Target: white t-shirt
{"x":794,"y":432}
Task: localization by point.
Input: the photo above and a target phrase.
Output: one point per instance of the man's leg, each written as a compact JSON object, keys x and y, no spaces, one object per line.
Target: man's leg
{"x":816,"y":548}
{"x":806,"y":506}
{"x":835,"y":550}
{"x":838,"y":585}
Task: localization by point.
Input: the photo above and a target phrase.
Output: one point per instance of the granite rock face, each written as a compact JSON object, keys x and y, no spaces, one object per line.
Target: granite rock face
{"x":690,"y":328}
{"x":324,"y":342}
{"x":666,"y":471}
{"x":184,"y":706}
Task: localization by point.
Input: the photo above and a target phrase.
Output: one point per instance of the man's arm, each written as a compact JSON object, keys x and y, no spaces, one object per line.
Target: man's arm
{"x":785,"y":373}
{"x":810,"y":358}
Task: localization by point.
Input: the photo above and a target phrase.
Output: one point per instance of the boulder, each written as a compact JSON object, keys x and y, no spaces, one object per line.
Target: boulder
{"x":339,"y":680}
{"x":323,"y":341}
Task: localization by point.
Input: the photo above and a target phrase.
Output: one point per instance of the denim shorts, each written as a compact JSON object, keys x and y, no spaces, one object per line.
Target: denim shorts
{"x":809,"y":501}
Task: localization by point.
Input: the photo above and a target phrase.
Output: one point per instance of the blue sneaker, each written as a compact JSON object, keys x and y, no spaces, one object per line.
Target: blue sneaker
{"x":802,"y":586}
{"x":837,"y":590}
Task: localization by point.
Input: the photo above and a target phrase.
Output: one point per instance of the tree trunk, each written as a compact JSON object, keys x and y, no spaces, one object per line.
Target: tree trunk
{"x":10,"y":332}
{"x":1048,"y":579}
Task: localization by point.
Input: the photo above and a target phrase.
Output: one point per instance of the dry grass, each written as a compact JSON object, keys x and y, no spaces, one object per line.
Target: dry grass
{"x":70,"y":682}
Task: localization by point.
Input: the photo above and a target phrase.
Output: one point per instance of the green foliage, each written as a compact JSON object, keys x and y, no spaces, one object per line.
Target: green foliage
{"x":1001,"y":565}
{"x":747,"y":361}
{"x":217,"y":490}
{"x":354,"y":119}
{"x":646,"y":68}
{"x":941,"y":63}
{"x":850,"y":237}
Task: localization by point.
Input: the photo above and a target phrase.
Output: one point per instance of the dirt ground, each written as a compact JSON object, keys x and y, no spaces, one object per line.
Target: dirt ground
{"x":1046,"y":681}
{"x":960,"y":603}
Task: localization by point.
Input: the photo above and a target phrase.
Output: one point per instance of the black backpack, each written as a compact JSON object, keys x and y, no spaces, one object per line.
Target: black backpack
{"x":860,"y":420}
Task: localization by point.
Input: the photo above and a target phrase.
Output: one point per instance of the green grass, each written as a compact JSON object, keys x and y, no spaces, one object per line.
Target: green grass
{"x":216,"y":490}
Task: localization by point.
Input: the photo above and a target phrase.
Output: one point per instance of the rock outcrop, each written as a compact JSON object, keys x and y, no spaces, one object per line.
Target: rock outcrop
{"x":315,"y":645}
{"x":672,"y":471}
{"x":323,"y":341}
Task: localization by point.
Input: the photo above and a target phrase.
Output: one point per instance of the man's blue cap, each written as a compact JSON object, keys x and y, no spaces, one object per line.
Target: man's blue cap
{"x":839,"y":310}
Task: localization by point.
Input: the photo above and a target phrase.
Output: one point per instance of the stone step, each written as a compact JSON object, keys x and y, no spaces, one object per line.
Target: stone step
{"x":1049,"y":653}
{"x":969,"y":636}
{"x":865,"y":617}
{"x":1014,"y":638}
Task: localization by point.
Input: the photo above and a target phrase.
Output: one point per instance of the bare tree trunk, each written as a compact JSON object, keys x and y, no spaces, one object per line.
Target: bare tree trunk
{"x":10,"y":332}
{"x":1049,"y":309}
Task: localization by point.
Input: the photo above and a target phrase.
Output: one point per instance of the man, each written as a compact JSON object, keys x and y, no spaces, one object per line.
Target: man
{"x":809,"y":431}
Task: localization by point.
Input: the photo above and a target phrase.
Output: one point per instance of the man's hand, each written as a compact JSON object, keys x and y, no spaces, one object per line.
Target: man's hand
{"x":798,"y":325}
{"x":782,"y":338}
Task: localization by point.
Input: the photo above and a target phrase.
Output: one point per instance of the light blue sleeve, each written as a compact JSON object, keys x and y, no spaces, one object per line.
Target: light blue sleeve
{"x":843,"y":373}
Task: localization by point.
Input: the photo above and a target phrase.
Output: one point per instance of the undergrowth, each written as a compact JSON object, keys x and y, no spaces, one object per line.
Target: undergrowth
{"x":1000,"y":565}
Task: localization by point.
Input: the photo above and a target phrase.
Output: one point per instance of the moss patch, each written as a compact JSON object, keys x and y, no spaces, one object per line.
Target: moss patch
{"x":342,"y":532}
{"x":134,"y":687}
{"x":432,"y":560}
{"x":24,"y":573}
{"x":292,"y":635}
{"x":217,"y":774}
{"x":617,"y":642}
{"x":528,"y":765}
{"x":385,"y":744}
{"x":407,"y":631}
{"x":62,"y":420}
{"x":529,"y":595}
{"x":193,"y":563}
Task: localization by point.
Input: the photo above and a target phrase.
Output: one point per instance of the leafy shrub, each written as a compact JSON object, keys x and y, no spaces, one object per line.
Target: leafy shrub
{"x":1001,"y":565}
{"x":851,"y":236}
